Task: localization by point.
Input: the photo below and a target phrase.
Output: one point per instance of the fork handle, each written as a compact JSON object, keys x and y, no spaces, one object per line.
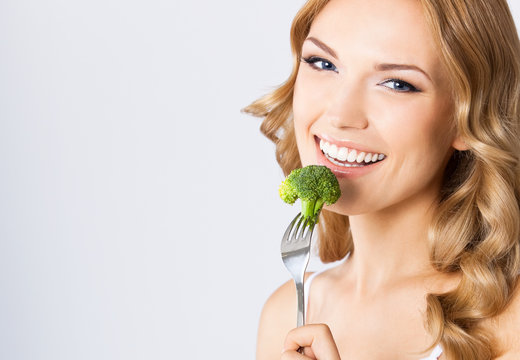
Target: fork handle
{"x":300,"y":319}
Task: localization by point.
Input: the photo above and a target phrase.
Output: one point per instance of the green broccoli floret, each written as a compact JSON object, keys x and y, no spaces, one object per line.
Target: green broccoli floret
{"x":315,"y":185}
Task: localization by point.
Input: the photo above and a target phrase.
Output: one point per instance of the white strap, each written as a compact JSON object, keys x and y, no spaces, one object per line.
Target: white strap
{"x":306,"y":288}
{"x":437,"y":351}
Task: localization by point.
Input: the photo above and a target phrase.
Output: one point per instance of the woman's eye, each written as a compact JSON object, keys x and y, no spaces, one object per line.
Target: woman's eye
{"x":399,"y":85}
{"x":320,"y":63}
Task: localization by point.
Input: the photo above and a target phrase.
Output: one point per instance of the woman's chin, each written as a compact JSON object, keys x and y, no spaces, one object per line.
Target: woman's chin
{"x":340,"y":209}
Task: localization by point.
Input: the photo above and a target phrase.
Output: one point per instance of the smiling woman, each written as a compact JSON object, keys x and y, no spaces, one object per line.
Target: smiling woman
{"x":413,"y":104}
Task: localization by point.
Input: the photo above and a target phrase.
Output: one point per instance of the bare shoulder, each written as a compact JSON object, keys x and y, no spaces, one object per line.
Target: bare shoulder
{"x":506,"y":327}
{"x":277,"y":319}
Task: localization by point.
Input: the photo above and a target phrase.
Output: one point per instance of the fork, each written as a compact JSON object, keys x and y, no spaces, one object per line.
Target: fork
{"x":295,"y":249}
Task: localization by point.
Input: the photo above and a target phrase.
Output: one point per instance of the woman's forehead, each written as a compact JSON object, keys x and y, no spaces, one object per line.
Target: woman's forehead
{"x":396,"y":28}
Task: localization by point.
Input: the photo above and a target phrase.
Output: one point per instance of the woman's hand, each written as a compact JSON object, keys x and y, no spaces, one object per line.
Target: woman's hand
{"x":317,"y":341}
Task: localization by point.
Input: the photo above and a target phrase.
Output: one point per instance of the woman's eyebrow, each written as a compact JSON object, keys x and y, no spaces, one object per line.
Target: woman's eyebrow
{"x":385,"y":67}
{"x":378,"y":67}
{"x":322,"y":46}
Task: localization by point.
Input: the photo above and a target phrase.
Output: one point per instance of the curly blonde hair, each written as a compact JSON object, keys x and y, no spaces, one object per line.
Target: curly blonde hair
{"x":476,"y":229}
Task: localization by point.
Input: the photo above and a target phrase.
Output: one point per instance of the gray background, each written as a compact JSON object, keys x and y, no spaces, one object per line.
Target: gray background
{"x":139,"y":217}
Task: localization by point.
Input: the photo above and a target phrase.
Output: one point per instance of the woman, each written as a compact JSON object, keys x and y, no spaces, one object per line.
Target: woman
{"x":413,"y":104}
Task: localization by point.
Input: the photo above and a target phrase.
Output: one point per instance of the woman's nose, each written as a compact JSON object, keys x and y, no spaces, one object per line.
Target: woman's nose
{"x":347,"y":109}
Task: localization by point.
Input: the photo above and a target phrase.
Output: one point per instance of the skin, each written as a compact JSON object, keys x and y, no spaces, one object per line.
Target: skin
{"x":372,"y":305}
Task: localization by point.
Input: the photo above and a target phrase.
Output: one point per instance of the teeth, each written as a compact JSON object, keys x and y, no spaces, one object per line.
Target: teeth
{"x":342,"y":154}
{"x":360,"y":158}
{"x":324,"y":146}
{"x":342,"y":163}
{"x":352,"y":156}
{"x":333,"y":151}
{"x":336,"y":154}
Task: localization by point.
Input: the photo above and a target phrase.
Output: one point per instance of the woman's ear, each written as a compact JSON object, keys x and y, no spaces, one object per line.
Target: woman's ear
{"x":459,"y":144}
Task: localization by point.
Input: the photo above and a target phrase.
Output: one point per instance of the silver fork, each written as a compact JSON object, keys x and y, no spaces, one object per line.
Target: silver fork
{"x":295,"y":249}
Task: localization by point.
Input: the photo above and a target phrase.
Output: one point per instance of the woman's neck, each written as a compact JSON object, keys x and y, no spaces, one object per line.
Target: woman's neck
{"x":389,"y":246}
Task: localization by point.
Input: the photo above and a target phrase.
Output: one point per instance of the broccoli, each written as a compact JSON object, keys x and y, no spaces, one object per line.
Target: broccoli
{"x":315,"y":185}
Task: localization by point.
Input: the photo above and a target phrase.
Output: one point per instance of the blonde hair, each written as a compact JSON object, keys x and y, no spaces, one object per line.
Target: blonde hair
{"x":476,"y":229}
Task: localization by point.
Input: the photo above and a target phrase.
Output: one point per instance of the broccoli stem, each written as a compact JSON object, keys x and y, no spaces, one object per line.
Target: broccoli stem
{"x":308,"y":208}
{"x":311,"y":209}
{"x":317,"y":206}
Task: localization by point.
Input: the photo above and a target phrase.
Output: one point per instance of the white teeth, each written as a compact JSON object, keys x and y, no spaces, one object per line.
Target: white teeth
{"x":334,"y":152}
{"x":352,"y":156}
{"x":342,"y":163}
{"x":342,"y":154}
{"x":325,"y":146}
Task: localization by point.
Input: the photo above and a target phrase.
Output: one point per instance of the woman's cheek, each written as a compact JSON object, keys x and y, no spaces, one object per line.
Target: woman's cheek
{"x":304,"y":112}
{"x":301,"y":106}
{"x":310,"y":95}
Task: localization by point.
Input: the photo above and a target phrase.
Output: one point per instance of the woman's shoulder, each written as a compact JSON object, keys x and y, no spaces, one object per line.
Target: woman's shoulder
{"x":277,"y":319}
{"x":506,"y":327}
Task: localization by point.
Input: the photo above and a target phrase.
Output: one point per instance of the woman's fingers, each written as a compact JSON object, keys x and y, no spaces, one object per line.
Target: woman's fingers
{"x":294,"y":355}
{"x":317,"y":341}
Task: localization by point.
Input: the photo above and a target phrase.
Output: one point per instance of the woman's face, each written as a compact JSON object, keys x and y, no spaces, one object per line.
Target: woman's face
{"x":372,"y":93}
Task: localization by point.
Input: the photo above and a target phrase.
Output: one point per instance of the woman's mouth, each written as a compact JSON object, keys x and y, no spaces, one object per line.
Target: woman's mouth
{"x":342,"y":156}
